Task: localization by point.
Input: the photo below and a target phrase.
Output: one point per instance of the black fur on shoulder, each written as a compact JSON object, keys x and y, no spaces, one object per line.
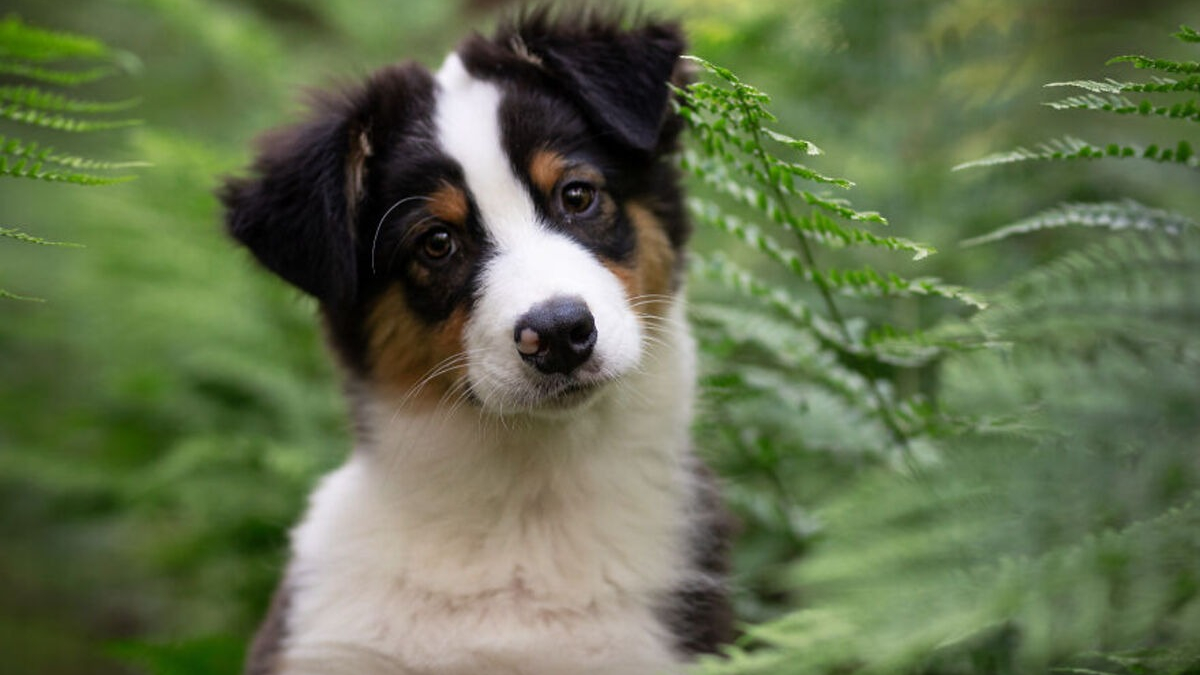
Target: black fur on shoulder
{"x":297,"y":211}
{"x":616,"y":71}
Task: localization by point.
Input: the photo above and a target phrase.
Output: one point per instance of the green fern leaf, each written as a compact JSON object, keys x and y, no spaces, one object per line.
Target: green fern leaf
{"x":1070,"y":148}
{"x":22,"y":41}
{"x":840,"y":207}
{"x":67,"y":78}
{"x":1164,"y":65}
{"x":1187,"y":34}
{"x":32,"y":97}
{"x":917,"y":348}
{"x":720,"y":268}
{"x":806,"y":147}
{"x":817,"y":227}
{"x":1159,"y":85}
{"x":1123,"y":215}
{"x":784,"y":172}
{"x":864,"y":282}
{"x":1136,"y":289}
{"x":14,"y":148}
{"x":801,"y":358}
{"x":868,"y":282}
{"x":30,"y":239}
{"x":1109,"y":86}
{"x":24,"y":168}
{"x":55,"y":122}
{"x":716,"y":175}
{"x":1187,"y":110}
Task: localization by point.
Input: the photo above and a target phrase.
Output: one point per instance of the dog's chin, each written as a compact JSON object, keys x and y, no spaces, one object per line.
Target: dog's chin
{"x":555,"y":396}
{"x":569,"y":397}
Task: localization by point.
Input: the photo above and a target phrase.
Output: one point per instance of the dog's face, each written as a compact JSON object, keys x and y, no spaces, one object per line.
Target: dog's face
{"x":505,"y":230}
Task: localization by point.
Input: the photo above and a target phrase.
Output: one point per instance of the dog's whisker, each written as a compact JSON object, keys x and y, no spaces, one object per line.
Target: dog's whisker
{"x":382,"y":219}
{"x":449,"y":364}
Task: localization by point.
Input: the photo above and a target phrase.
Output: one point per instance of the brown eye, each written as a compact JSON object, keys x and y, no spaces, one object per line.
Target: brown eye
{"x":577,"y":198}
{"x":438,"y":243}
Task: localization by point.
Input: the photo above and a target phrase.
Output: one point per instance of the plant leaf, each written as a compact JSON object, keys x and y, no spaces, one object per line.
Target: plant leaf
{"x":1123,"y":215}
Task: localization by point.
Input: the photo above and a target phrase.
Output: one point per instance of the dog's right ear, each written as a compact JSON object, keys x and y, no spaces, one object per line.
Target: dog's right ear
{"x":295,"y":213}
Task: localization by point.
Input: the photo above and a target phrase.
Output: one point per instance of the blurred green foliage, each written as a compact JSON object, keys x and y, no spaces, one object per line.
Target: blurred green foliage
{"x":164,"y":413}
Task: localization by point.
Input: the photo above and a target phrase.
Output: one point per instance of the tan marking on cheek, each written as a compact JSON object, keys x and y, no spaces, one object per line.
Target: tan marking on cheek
{"x":655,"y":262}
{"x":449,"y":205}
{"x":404,"y":350}
{"x":545,"y":170}
{"x":626,"y":275}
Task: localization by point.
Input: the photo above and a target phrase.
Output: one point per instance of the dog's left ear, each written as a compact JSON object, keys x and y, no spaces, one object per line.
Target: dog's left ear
{"x":620,"y":78}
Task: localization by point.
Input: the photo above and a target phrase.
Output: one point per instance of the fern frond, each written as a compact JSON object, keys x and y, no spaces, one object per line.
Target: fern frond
{"x":15,"y":148}
{"x":807,"y":147}
{"x":1123,"y":215}
{"x":1187,"y":34}
{"x":817,"y":227}
{"x":1071,"y":148}
{"x":840,"y":207}
{"x":33,"y":97}
{"x":1158,"y":85}
{"x":868,"y":282}
{"x":885,"y":345}
{"x":68,"y":78}
{"x":56,"y":122}
{"x":910,"y":348}
{"x":863,"y":282}
{"x":1187,"y":110}
{"x":1135,"y":289}
{"x":804,"y":359}
{"x":19,"y":40}
{"x":719,"y":267}
{"x":716,"y":175}
{"x":30,"y":239}
{"x":23,"y":167}
{"x":1164,"y":65}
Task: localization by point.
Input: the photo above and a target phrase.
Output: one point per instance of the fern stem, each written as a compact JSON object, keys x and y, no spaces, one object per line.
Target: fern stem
{"x":886,"y":414}
{"x":5,"y":295}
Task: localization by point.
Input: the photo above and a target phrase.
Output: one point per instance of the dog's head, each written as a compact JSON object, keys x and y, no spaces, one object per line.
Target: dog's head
{"x":503,"y":229}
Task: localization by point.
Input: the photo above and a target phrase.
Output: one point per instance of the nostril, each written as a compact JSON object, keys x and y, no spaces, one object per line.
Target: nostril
{"x":583,"y":332}
{"x":556,"y":336}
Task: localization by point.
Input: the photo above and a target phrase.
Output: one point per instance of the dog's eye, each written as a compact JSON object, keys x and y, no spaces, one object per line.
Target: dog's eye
{"x":438,"y":243}
{"x":577,"y":198}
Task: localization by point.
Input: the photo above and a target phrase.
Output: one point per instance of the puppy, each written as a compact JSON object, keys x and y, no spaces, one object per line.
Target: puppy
{"x":497,"y":250}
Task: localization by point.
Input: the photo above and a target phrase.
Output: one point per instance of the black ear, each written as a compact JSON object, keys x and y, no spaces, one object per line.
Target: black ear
{"x":619,"y":77}
{"x":295,"y":213}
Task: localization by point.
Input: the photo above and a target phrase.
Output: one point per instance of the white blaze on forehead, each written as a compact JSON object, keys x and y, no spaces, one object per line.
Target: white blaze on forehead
{"x":531,"y":262}
{"x":468,"y":126}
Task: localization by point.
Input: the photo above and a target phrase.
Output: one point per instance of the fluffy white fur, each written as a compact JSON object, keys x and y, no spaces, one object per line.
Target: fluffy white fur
{"x":463,"y":541}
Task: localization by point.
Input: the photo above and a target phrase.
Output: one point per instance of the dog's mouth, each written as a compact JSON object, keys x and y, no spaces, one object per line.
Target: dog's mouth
{"x":571,"y":394}
{"x":545,"y":394}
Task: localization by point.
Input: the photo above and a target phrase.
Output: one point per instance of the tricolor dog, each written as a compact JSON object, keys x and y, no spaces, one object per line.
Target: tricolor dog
{"x":497,"y":252}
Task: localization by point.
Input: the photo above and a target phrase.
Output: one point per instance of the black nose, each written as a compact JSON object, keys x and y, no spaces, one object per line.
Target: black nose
{"x":556,"y":336}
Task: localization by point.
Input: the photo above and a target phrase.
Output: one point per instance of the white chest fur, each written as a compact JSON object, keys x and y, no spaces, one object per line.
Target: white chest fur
{"x":458,"y":543}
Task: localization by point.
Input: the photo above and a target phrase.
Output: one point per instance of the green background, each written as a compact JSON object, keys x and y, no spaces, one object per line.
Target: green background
{"x":165,"y":410}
